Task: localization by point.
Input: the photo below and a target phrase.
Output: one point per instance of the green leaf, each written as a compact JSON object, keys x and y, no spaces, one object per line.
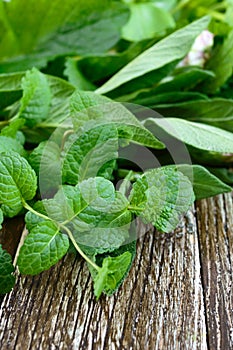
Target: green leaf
{"x":111,"y":272}
{"x":57,"y":29}
{"x":217,"y":111}
{"x":77,"y":37}
{"x":157,"y":56}
{"x":36,"y":98}
{"x":169,"y":97}
{"x":221,"y":63}
{"x":177,"y":82}
{"x":17,"y":182}
{"x":161,"y":196}
{"x":31,"y":219}
{"x":58,"y":116}
{"x":7,"y":279}
{"x":200,"y":136}
{"x":204,"y":183}
{"x":12,"y":130}
{"x":89,"y":109}
{"x":85,"y":154}
{"x":75,"y":77}
{"x":45,"y":160}
{"x":10,"y":82}
{"x":106,"y":64}
{"x":8,"y":144}
{"x":1,"y":218}
{"x":146,"y":22}
{"x":226,"y":175}
{"x":43,"y":247}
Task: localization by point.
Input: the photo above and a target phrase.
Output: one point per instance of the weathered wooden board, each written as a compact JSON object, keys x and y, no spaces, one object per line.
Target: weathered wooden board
{"x":215,"y":227}
{"x":177,"y":296}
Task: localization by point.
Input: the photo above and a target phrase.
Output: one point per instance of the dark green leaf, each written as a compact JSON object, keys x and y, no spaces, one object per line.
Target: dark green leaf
{"x":7,"y":279}
{"x":217,"y":112}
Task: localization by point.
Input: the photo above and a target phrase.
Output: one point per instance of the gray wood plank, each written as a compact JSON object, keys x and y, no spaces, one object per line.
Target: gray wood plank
{"x":159,"y":306}
{"x":215,"y":224}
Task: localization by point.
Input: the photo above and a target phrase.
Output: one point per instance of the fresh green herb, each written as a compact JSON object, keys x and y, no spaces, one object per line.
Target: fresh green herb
{"x":82,"y":166}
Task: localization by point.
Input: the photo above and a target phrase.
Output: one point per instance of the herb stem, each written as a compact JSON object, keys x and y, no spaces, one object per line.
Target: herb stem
{"x":28,"y":207}
{"x":134,"y":208}
{"x":79,"y":249}
{"x":3,"y":123}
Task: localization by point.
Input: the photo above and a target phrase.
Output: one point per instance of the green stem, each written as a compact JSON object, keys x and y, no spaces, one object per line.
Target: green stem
{"x":53,"y":125}
{"x":28,"y":207}
{"x":124,"y":187}
{"x":134,"y":208}
{"x":79,"y":249}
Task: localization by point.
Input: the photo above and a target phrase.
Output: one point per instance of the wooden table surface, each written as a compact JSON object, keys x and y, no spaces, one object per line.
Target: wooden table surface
{"x":178,"y":295}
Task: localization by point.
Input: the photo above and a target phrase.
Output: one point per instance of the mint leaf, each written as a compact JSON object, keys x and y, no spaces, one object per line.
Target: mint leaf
{"x":200,"y":136}
{"x":45,"y":160}
{"x":44,"y":246}
{"x":204,"y":183}
{"x":157,"y":56}
{"x":36,"y":99}
{"x":88,"y":109}
{"x":18,"y":183}
{"x":160,"y":197}
{"x":85,"y":154}
{"x":8,"y":144}
{"x":7,"y":279}
{"x":111,"y":272}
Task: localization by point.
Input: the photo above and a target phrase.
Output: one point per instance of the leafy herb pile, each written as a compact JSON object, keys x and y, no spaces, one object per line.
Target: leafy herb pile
{"x":62,"y":143}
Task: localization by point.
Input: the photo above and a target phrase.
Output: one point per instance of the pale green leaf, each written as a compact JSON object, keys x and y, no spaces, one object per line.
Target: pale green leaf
{"x":8,"y":144}
{"x":200,"y":136}
{"x":172,"y":48}
{"x":146,"y":22}
{"x":111,"y":272}
{"x":161,"y":196}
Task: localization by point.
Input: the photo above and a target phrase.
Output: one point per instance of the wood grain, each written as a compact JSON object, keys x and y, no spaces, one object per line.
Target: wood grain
{"x":215,"y":225}
{"x":178,"y":294}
